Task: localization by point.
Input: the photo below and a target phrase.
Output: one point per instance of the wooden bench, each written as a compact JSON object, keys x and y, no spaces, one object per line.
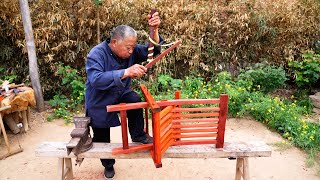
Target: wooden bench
{"x":242,"y":151}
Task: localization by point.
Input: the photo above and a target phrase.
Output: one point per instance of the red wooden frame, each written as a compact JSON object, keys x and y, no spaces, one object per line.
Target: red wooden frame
{"x":174,"y":124}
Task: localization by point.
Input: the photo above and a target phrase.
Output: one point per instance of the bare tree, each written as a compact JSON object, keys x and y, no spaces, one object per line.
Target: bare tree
{"x":33,"y":64}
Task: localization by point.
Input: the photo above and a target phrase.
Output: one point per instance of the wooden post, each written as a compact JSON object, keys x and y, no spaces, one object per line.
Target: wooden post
{"x":222,"y":119}
{"x":177,"y":95}
{"x":156,"y":139}
{"x":25,"y":121}
{"x":6,"y":140}
{"x":28,"y":114}
{"x":33,"y":65}
{"x":124,"y":128}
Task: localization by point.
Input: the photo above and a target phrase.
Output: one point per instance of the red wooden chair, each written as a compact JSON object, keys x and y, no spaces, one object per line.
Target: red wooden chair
{"x":174,"y":122}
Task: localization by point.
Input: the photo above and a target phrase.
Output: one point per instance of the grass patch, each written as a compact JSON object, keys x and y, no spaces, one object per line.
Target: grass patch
{"x":282,"y":145}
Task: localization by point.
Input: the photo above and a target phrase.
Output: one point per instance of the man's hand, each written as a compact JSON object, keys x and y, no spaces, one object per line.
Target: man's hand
{"x":154,"y":20}
{"x":134,"y":71}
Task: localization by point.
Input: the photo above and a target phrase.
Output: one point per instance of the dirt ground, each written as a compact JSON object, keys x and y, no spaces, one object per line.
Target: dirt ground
{"x":284,"y":163}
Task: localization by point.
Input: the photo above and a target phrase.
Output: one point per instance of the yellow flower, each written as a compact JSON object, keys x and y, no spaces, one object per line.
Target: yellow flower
{"x":81,"y":94}
{"x":304,"y":126}
{"x":311,"y":137}
{"x":216,"y":80}
{"x":286,"y":134}
{"x":78,"y":98}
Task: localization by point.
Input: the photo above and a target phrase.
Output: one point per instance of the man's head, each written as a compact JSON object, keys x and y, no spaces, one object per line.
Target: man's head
{"x":123,"y":41}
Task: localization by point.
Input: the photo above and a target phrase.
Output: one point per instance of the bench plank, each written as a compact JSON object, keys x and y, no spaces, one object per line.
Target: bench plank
{"x":104,"y":150}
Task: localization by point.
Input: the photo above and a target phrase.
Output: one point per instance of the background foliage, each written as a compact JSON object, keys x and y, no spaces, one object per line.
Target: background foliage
{"x":216,"y":35}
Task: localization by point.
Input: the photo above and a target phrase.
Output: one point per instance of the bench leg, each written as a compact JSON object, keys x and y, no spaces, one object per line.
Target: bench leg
{"x":242,"y":169}
{"x":65,"y":169}
{"x":60,"y":169}
{"x":68,"y":171}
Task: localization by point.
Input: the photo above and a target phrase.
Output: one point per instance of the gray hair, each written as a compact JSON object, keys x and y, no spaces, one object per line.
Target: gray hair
{"x":123,"y":31}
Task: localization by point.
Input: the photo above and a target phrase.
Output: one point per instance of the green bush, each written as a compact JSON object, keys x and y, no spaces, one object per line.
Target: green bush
{"x":72,"y":83}
{"x":307,"y":71}
{"x":264,"y":78}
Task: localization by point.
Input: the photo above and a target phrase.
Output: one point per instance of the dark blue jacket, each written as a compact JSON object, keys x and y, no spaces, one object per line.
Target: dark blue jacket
{"x":104,"y":85}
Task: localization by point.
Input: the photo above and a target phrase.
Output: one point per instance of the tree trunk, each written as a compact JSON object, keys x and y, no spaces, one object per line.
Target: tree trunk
{"x":98,"y":24}
{"x":33,"y":65}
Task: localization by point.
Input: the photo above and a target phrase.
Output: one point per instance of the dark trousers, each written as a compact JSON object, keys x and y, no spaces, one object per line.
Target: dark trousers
{"x":103,"y":135}
{"x":135,"y":116}
{"x":135,"y":124}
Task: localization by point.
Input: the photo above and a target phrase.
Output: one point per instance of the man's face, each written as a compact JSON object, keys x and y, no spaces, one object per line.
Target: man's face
{"x":124,"y":48}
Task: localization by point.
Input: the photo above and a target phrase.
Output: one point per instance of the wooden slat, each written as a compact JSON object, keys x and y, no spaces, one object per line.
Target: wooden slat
{"x":195,"y":125}
{"x":131,"y":149}
{"x":196,"y":120}
{"x":196,"y":115}
{"x":104,"y":151}
{"x":191,"y":130}
{"x":146,"y":117}
{"x":165,"y":120}
{"x":166,"y":135}
{"x":196,"y":109}
{"x":129,"y":106}
{"x":195,"y":142}
{"x":166,"y":143}
{"x":165,"y":111}
{"x":166,"y":125}
{"x":195,"y":135}
{"x":166,"y":146}
{"x":188,"y":102}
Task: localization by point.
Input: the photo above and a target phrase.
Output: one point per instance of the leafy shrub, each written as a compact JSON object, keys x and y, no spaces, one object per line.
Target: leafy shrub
{"x":265,"y":78}
{"x":307,"y":71}
{"x":8,"y":77}
{"x":63,"y":105}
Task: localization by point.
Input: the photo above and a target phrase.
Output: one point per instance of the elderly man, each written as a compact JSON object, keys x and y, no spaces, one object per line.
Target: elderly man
{"x":110,"y":66}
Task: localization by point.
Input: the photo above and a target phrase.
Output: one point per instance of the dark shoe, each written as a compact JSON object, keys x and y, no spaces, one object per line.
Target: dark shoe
{"x":147,"y":140}
{"x":109,"y":172}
